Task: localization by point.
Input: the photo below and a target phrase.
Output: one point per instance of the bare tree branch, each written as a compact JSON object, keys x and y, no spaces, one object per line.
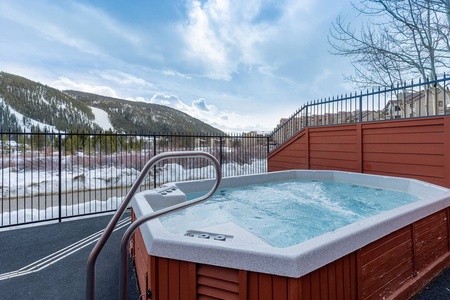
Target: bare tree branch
{"x":399,"y":40}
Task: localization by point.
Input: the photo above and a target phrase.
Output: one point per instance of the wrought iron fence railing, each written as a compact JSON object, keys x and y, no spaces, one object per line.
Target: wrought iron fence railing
{"x":51,"y":176}
{"x":413,"y":100}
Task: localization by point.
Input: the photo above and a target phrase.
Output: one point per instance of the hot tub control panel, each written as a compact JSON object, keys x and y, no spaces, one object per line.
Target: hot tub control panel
{"x":164,"y":196}
{"x":208,"y":235}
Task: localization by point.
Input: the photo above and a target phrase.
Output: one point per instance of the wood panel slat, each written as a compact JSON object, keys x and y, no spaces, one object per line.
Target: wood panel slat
{"x":335,"y":155}
{"x":346,"y":266}
{"x":340,"y":279}
{"x":351,"y":132}
{"x":411,"y":129}
{"x":294,"y":289}
{"x":315,"y":284}
{"x":380,"y":289}
{"x":332,"y":139}
{"x":265,"y":286}
{"x":162,"y":288}
{"x":141,"y":258}
{"x":404,"y":169}
{"x":429,"y":149}
{"x":373,"y":250}
{"x":218,"y":283}
{"x":405,"y":123}
{"x":326,"y":147}
{"x":174,"y":279}
{"x":411,"y":159}
{"x":280,"y":288}
{"x":215,"y":293}
{"x":306,"y":287}
{"x":218,"y":272}
{"x":438,"y":181}
{"x":334,"y":164}
{"x":331,"y":280}
{"x":253,"y":285}
{"x":406,"y":138}
{"x":398,"y":255}
{"x":185,"y":289}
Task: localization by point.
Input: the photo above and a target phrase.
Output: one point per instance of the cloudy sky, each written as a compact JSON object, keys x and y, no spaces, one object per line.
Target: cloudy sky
{"x":237,"y":65}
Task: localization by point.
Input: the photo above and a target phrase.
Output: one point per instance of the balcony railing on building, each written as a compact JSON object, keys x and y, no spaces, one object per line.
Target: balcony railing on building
{"x":414,"y":100}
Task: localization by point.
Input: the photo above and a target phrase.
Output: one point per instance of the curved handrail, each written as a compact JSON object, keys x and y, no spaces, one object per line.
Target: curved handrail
{"x":90,"y":272}
{"x":123,"y":276}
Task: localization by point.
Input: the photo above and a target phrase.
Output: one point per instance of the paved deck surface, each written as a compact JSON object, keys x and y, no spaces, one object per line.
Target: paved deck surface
{"x":49,"y":261}
{"x":438,"y":289}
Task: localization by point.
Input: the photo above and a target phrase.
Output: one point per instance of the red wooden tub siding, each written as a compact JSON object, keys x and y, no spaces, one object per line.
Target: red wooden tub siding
{"x":395,"y":266}
{"x":412,"y":148}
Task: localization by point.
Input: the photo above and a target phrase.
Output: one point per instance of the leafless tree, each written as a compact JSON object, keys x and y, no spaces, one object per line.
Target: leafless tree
{"x":394,"y":40}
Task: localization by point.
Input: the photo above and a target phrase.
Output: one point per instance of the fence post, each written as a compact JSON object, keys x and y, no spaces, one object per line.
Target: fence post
{"x":220,"y":150}
{"x":446,"y":125}
{"x":154,"y":167}
{"x":268,"y":151}
{"x":306,"y":114}
{"x":360,"y":108}
{"x":60,"y":177}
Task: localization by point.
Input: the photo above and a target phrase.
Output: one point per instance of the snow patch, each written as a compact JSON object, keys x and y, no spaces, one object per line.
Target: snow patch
{"x":22,"y":183}
{"x":101,"y":118}
{"x":26,"y":123}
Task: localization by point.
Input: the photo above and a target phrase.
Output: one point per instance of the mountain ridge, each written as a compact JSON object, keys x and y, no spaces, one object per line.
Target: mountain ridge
{"x":26,"y":105}
{"x":143,"y":114}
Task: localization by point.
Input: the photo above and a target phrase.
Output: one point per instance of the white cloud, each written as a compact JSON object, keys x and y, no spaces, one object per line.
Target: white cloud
{"x":220,"y":36}
{"x":201,"y":105}
{"x":64,"y":83}
{"x":168,"y":100}
{"x":122,"y":78}
{"x":70,"y":23}
{"x":210,"y":114}
{"x":224,"y":37}
{"x":175,"y":73}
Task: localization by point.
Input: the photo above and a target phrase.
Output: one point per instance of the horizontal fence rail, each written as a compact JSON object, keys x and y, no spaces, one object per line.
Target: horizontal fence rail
{"x":51,"y":176}
{"x":414,"y":100}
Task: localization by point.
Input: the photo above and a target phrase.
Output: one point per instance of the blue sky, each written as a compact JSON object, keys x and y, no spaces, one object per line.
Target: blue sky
{"x":237,"y":65}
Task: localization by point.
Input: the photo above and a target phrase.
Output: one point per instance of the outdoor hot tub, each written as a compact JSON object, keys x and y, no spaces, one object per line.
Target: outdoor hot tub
{"x":386,"y":254}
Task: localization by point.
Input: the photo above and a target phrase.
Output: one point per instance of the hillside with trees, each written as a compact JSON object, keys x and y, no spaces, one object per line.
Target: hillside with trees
{"x":26,"y":105}
{"x":131,"y":116}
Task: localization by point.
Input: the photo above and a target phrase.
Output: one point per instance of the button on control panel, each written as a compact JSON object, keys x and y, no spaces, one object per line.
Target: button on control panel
{"x":208,"y":236}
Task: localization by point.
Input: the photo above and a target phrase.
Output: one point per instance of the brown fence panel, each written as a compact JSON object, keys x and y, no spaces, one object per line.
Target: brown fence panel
{"x":407,"y":148}
{"x":293,"y":156}
{"x":412,"y":148}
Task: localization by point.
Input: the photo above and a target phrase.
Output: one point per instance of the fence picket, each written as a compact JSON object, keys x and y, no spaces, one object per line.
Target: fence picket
{"x":52,"y":176}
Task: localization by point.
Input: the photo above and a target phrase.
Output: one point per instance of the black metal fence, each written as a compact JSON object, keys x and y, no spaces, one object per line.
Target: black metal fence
{"x":414,"y":100}
{"x":51,"y":176}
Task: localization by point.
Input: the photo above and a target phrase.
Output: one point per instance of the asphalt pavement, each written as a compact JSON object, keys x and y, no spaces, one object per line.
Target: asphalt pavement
{"x":438,"y":289}
{"x":49,"y":261}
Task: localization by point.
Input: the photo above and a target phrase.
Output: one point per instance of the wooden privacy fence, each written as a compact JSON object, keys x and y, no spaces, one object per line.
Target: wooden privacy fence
{"x":414,"y":148}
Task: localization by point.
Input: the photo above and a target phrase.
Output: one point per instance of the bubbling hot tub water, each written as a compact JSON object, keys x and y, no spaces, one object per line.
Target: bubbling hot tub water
{"x":287,"y":213}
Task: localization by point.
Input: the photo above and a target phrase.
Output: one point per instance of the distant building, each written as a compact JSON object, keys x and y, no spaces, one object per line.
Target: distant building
{"x":424,"y":103}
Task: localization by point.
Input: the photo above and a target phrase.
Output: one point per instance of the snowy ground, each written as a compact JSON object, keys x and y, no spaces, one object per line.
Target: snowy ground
{"x":24,"y":183}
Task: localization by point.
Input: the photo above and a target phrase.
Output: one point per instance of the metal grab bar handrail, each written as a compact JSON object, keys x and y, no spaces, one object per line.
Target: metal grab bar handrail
{"x":123,"y":276}
{"x":90,"y":272}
